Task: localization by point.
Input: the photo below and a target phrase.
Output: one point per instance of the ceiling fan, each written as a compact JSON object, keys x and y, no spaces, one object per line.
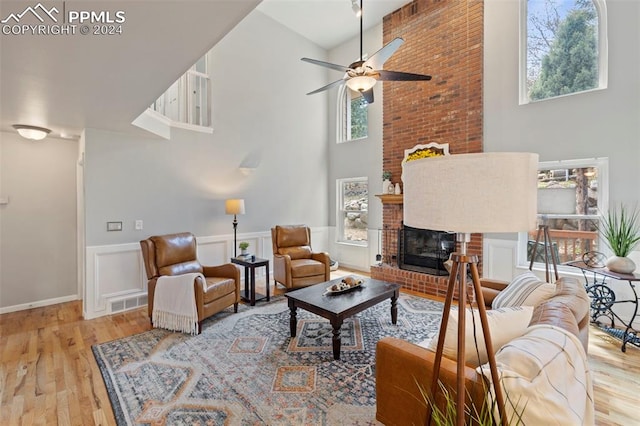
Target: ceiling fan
{"x":361,"y":75}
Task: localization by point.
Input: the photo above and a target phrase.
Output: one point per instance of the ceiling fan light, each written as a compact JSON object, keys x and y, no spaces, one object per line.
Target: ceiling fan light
{"x":361,"y":83}
{"x":31,"y":132}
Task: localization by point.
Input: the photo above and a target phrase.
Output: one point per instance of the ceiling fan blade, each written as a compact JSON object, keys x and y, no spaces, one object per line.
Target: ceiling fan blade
{"x":326,"y":64}
{"x":380,"y":57}
{"x":368,"y":95}
{"x":327,"y":87}
{"x":400,"y":76}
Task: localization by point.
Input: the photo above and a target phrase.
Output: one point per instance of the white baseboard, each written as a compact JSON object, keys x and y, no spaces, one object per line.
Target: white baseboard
{"x":39,"y":304}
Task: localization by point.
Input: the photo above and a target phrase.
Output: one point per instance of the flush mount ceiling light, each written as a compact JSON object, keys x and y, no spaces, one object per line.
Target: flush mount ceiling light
{"x":31,"y":132}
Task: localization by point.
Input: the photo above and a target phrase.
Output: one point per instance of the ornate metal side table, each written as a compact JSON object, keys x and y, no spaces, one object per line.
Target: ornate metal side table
{"x":603,"y":299}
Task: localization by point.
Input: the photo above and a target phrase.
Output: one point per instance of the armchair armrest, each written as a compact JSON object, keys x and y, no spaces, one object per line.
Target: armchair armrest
{"x":324,"y":258}
{"x":228,"y":270}
{"x":491,"y":288}
{"x":281,"y":268}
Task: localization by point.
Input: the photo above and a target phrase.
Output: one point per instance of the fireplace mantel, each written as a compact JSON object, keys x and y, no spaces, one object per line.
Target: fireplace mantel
{"x":391,"y":198}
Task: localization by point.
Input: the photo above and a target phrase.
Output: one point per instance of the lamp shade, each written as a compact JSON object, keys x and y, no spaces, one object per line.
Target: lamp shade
{"x":361,"y":83}
{"x":234,"y":206}
{"x":472,"y":193}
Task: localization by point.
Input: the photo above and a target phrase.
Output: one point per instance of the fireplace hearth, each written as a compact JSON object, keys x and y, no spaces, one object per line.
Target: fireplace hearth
{"x":424,"y":250}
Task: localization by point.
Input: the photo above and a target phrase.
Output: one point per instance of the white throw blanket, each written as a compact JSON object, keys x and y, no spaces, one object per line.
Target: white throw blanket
{"x":545,"y":373}
{"x":174,"y":303}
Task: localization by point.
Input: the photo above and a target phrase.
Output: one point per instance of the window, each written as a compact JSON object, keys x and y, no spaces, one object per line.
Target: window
{"x":571,"y":198}
{"x":187,"y":101}
{"x":352,"y":215}
{"x":352,"y":121}
{"x":564,"y":48}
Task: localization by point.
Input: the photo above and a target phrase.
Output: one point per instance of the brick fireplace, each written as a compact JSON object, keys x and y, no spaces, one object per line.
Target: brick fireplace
{"x":443,"y":38}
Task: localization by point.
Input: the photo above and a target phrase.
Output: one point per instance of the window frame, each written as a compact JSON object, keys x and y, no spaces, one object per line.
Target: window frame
{"x":341,"y":212}
{"x":602,"y":164}
{"x":343,"y":116}
{"x":603,"y":53}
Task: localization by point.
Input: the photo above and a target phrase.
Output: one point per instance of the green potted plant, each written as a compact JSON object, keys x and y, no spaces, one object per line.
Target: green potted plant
{"x":621,"y":230}
{"x":243,"y":247}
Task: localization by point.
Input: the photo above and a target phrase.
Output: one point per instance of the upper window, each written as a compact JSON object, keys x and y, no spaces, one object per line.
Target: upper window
{"x":187,"y":101}
{"x":352,"y":214}
{"x":571,"y":198}
{"x":352,"y":120}
{"x":564,"y":48}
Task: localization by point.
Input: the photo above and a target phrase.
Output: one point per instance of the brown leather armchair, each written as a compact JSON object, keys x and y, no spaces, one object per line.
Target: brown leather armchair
{"x":294,"y":262}
{"x":175,"y":254}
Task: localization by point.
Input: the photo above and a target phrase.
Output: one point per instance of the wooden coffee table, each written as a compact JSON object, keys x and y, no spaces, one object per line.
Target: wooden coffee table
{"x":337,"y":307}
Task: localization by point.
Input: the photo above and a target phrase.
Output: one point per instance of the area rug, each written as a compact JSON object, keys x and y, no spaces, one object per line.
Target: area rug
{"x":245,"y":369}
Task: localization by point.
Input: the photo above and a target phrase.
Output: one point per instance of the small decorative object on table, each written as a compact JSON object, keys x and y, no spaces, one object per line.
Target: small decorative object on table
{"x":386,"y":181}
{"x":621,"y":230}
{"x":347,"y":283}
{"x":243,"y":248}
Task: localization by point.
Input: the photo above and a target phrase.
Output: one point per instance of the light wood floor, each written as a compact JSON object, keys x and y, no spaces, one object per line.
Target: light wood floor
{"x":48,"y":374}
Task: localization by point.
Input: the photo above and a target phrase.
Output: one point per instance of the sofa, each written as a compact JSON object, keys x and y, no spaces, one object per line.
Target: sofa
{"x":404,"y":370}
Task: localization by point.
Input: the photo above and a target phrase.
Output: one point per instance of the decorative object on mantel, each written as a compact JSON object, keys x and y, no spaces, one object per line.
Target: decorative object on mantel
{"x":621,"y":230}
{"x":391,"y":189}
{"x":397,"y":190}
{"x":475,"y":193}
{"x":386,"y":181}
{"x":432,"y":149}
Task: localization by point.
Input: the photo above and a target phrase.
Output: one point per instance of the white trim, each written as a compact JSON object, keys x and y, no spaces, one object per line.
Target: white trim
{"x":39,"y":304}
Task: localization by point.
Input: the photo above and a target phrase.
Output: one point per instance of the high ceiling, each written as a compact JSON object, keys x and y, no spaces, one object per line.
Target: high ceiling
{"x":71,"y":82}
{"x":327,"y":23}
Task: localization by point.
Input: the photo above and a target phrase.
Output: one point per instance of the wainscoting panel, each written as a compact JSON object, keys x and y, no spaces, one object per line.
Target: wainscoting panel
{"x":499,"y":260}
{"x":116,"y":279}
{"x":114,"y":273}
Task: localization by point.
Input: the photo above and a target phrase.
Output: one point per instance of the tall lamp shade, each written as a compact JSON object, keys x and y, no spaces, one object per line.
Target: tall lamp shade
{"x":235,"y":207}
{"x":467,"y":193}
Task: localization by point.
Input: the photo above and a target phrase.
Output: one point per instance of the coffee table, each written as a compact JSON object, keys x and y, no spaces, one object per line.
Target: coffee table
{"x":337,"y":307}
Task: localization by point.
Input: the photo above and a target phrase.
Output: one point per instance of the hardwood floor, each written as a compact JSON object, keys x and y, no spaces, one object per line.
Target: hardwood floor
{"x":48,"y":374}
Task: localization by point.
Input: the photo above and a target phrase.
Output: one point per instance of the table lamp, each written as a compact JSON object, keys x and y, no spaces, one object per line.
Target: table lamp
{"x":234,"y":207}
{"x":470,"y":193}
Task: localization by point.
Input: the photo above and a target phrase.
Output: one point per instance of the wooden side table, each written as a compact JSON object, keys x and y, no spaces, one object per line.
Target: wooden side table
{"x":250,"y":264}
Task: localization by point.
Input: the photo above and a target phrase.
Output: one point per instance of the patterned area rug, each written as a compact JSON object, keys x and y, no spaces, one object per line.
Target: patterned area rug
{"x":245,"y":369}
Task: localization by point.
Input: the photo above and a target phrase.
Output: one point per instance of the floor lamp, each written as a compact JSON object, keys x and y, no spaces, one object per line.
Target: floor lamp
{"x":543,"y":229}
{"x":470,"y":193}
{"x":234,"y":207}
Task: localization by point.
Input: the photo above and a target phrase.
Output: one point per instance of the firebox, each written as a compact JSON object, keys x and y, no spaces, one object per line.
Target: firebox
{"x":424,"y":250}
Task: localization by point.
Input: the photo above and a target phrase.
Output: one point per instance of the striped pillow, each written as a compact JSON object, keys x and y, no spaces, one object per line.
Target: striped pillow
{"x":524,"y":290}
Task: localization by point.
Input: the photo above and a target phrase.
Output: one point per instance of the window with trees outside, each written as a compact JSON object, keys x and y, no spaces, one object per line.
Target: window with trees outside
{"x":352,"y":120}
{"x":565,"y":48}
{"x":352,"y":210}
{"x":572,"y":196}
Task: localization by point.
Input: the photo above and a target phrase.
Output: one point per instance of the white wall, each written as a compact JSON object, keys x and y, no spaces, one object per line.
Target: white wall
{"x":38,"y":225}
{"x":261,"y":112}
{"x":602,"y":123}
{"x":358,"y":158}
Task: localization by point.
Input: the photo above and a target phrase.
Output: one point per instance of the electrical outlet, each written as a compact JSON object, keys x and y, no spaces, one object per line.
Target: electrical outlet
{"x":138,"y":225}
